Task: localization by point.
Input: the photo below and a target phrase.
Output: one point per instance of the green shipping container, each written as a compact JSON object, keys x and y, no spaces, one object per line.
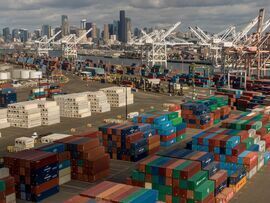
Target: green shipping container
{"x":177,"y":170}
{"x":177,"y":121}
{"x":181,"y":137}
{"x":204,"y":190}
{"x":197,"y":180}
{"x":139,"y":176}
{"x":2,"y":186}
{"x":249,"y":142}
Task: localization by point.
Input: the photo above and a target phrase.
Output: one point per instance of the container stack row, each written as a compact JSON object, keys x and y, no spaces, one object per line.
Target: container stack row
{"x":115,"y":192}
{"x":89,"y":162}
{"x":7,"y":187}
{"x":233,"y":148}
{"x":245,"y":100}
{"x":64,"y":163}
{"x":246,"y":121}
{"x":74,"y":105}
{"x":50,"y":112}
{"x":180,"y":176}
{"x":202,"y":114}
{"x":129,"y":141}
{"x":3,"y":119}
{"x":169,"y":125}
{"x":35,"y":173}
{"x":119,"y":96}
{"x":99,"y":102}
{"x":24,"y":114}
{"x":7,"y":96}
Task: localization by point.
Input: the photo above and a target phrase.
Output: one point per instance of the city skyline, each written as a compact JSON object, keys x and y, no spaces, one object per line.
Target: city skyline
{"x":148,"y":13}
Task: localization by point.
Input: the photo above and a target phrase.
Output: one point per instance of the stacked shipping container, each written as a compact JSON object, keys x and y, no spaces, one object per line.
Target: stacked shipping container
{"x":169,"y":125}
{"x":115,"y":192}
{"x":205,"y":113}
{"x":7,"y":187}
{"x":129,"y":141}
{"x":63,"y":160}
{"x":35,"y":173}
{"x":89,"y":162}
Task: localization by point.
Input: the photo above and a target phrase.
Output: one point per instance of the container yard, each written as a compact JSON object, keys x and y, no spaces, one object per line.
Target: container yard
{"x":75,"y":128}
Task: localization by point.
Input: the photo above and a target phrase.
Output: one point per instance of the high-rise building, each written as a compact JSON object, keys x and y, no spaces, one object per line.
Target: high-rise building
{"x":65,"y":26}
{"x":37,"y":33}
{"x":88,"y":25}
{"x":115,"y":28}
{"x":122,"y":27}
{"x":111,"y":29}
{"x":15,"y":35}
{"x":6,"y":34}
{"x":73,"y":30}
{"x":83,"y":24}
{"x":56,"y":30}
{"x":137,"y":32}
{"x":46,"y":30}
{"x":129,"y":29}
{"x":98,"y":33}
{"x":94,"y":32}
{"x":106,"y":34}
{"x":24,"y":35}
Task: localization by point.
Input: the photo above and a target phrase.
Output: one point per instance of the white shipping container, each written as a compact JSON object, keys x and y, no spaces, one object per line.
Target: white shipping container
{"x":251,"y":173}
{"x":11,"y":198}
{"x":53,"y":137}
{"x":65,"y":179}
{"x":4,"y":172}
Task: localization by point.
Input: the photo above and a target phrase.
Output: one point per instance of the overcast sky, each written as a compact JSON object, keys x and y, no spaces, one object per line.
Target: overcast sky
{"x":212,"y":15}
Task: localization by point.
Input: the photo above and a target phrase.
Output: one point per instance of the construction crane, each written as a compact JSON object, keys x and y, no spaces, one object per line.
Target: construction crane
{"x":44,"y":44}
{"x":69,"y":45}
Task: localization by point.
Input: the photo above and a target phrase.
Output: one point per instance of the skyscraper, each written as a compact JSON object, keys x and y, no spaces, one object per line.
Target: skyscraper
{"x":122,"y":27}
{"x":106,"y":34}
{"x":115,"y":27}
{"x":129,"y":29}
{"x":57,"y":29}
{"x":6,"y":34}
{"x":15,"y":35}
{"x":65,"y":26}
{"x":37,"y":33}
{"x":46,"y":30}
{"x":94,"y":31}
{"x":88,"y":25}
{"x":83,"y":24}
{"x":24,"y":35}
{"x":111,"y":32}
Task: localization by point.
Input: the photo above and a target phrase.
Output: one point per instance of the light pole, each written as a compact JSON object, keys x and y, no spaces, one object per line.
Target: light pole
{"x":126,"y":105}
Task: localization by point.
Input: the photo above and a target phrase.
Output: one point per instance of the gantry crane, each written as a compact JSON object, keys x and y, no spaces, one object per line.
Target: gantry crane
{"x":154,"y":45}
{"x":69,"y":45}
{"x":250,"y":52}
{"x":44,"y":45}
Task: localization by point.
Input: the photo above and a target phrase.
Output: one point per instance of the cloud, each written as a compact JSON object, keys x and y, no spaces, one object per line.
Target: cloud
{"x":213,"y":15}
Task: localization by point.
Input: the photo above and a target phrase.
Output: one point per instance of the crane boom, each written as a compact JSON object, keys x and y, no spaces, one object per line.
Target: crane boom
{"x":266,"y":25}
{"x":166,"y":34}
{"x":245,"y":31}
{"x":205,"y":36}
{"x":81,"y":37}
{"x":197,"y":35}
{"x":53,"y":37}
{"x":228,"y":31}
